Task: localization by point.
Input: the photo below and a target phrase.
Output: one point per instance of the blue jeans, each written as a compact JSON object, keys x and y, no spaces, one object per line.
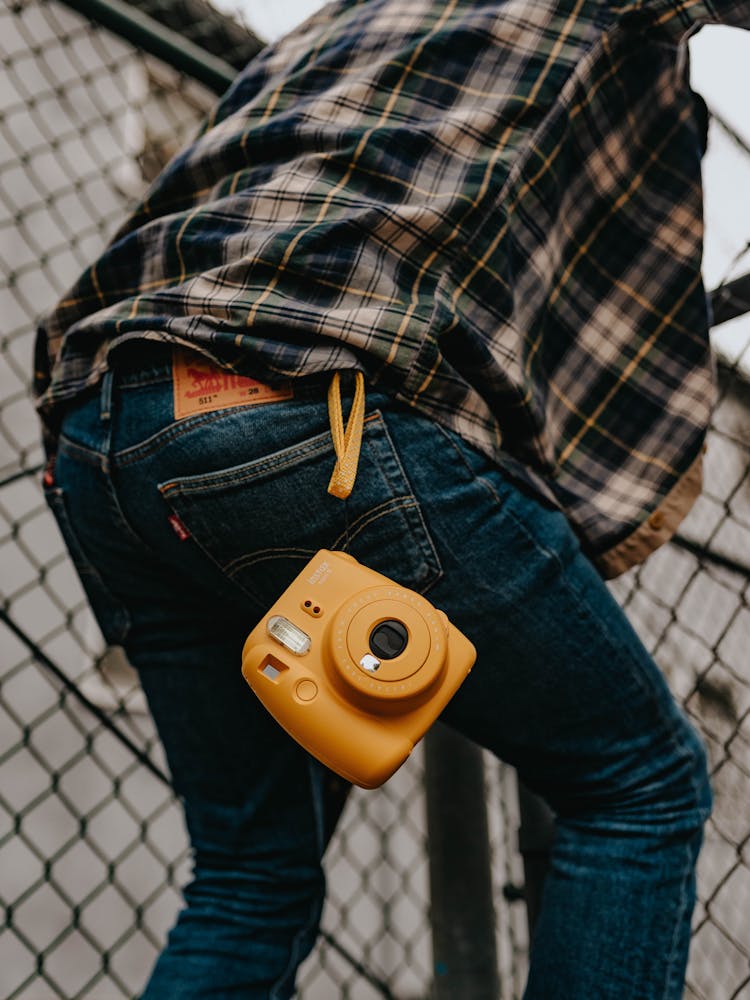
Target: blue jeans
{"x":563,"y":689}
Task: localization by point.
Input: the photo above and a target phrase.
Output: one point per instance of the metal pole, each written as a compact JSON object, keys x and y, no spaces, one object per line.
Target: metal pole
{"x":731,"y":300}
{"x":147,"y":33}
{"x":535,"y":836}
{"x":462,"y":913}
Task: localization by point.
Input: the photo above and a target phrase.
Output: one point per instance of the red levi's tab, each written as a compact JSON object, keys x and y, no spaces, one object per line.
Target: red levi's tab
{"x":178,"y":527}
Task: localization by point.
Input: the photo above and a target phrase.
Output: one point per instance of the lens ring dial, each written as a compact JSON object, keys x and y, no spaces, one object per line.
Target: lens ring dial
{"x":405,"y":676}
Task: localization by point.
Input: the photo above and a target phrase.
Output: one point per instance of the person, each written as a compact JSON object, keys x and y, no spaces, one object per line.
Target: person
{"x":491,"y":212}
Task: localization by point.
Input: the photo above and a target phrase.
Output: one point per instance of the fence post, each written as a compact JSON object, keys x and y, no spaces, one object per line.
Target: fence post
{"x":535,"y":836}
{"x":127,"y":21}
{"x":462,"y":913}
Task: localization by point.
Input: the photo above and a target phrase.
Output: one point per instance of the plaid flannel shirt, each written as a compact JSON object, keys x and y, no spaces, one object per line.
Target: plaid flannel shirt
{"x":491,"y":207}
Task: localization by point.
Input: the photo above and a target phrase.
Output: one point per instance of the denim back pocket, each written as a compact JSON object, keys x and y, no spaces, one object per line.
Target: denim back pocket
{"x":261,"y":521}
{"x":110,"y":613}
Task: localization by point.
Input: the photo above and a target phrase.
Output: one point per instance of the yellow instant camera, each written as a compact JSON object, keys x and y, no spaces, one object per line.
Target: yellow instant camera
{"x":354,"y":667}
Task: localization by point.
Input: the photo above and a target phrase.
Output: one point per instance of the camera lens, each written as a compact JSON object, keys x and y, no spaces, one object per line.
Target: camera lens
{"x":388,"y":639}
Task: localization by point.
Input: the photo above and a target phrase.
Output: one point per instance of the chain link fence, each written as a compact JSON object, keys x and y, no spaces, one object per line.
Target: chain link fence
{"x":92,"y":846}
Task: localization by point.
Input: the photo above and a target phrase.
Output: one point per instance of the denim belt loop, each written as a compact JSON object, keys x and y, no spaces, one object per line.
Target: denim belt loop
{"x":105,"y":413}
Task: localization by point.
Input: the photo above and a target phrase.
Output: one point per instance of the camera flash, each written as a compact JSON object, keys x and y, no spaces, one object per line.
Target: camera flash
{"x":286,"y":633}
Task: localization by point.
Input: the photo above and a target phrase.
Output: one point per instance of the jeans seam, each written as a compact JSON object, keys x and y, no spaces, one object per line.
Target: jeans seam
{"x":312,"y":918}
{"x":80,"y":452}
{"x":426,"y":543}
{"x":263,"y":605}
{"x":119,"y":514}
{"x":485,"y":483}
{"x":678,"y":923}
{"x":581,"y":599}
{"x":293,"y":962}
{"x":550,"y":553}
{"x":85,"y":567}
{"x":626,"y":661}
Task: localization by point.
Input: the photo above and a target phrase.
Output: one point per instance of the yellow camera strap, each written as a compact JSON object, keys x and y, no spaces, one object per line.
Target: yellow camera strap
{"x":346,"y":443}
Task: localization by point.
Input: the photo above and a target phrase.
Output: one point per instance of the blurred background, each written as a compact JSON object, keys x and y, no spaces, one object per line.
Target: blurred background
{"x":95,"y":96}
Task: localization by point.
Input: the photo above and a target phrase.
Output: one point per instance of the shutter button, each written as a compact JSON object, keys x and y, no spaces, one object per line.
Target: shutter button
{"x":306,"y":690}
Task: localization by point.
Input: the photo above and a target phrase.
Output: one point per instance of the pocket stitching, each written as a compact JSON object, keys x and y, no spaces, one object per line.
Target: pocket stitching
{"x":261,"y":555}
{"x":241,"y":475}
{"x":221,"y":480}
{"x":396,"y":503}
{"x":472,"y":474}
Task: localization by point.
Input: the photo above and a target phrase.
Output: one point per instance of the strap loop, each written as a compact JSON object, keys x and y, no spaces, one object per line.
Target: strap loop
{"x":347,"y":443}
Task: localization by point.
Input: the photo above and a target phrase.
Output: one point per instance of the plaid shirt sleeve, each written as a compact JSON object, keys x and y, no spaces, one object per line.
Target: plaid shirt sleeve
{"x":680,"y":18}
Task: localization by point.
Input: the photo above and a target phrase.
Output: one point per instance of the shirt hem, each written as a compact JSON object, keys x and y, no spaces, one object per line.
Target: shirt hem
{"x":658,"y":527}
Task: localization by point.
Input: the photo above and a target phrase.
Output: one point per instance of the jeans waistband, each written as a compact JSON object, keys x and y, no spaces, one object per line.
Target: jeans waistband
{"x":148,"y":363}
{"x":141,"y":363}
{"x":92,"y":427}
